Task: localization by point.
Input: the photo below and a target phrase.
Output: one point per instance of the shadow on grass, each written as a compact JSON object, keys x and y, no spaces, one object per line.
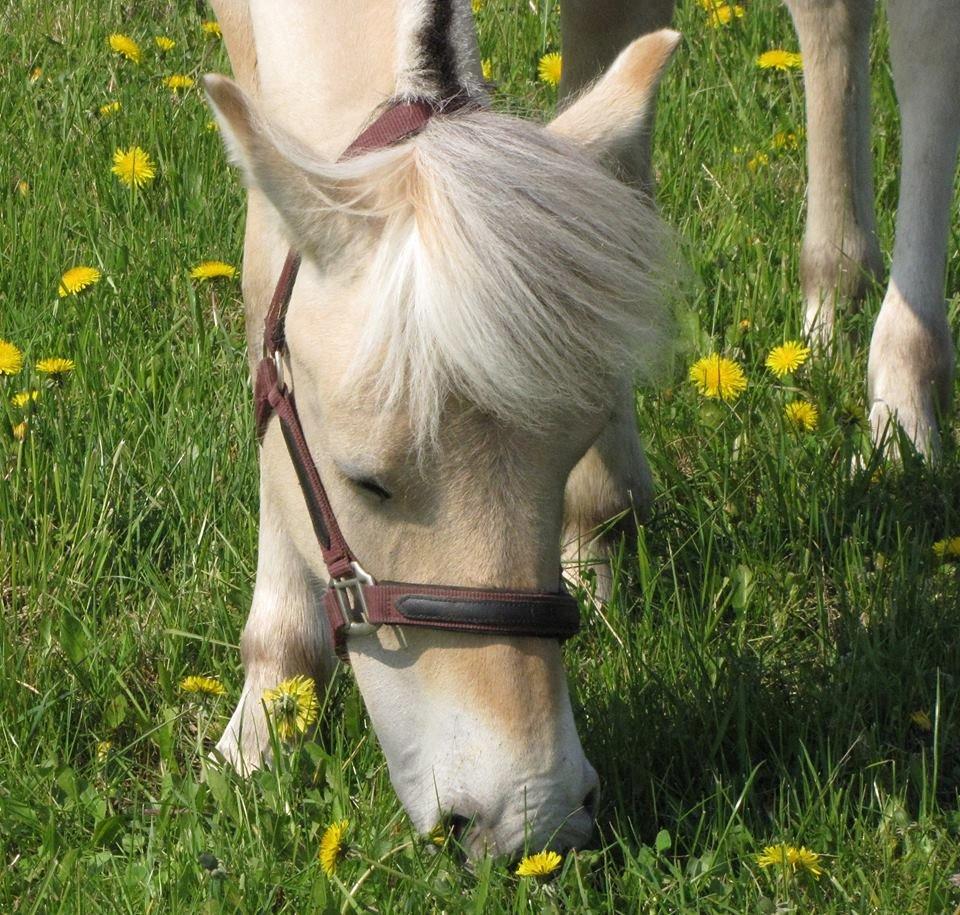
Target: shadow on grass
{"x":789,"y":622}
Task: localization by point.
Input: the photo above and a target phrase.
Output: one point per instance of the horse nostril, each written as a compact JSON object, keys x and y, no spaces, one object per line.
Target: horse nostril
{"x":458,"y":825}
{"x":590,"y":802}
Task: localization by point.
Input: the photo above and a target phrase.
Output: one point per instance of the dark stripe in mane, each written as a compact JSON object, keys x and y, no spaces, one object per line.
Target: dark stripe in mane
{"x":438,"y":56}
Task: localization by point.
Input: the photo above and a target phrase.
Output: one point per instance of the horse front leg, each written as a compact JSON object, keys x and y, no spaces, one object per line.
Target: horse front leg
{"x":840,"y":257}
{"x":911,"y":363}
{"x":286,"y":632}
{"x":607,"y":492}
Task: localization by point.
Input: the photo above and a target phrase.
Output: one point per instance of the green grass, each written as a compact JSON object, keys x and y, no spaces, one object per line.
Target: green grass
{"x":781,"y":620}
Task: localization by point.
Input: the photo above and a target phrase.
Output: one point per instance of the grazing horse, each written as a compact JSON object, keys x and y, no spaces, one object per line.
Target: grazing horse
{"x":474,"y":303}
{"x":910,"y":370}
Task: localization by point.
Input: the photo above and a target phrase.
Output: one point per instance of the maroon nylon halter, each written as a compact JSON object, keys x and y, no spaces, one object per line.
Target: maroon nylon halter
{"x":354,"y":602}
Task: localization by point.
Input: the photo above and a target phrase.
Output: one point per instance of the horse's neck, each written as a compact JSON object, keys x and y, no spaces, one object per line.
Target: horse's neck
{"x":325,"y":65}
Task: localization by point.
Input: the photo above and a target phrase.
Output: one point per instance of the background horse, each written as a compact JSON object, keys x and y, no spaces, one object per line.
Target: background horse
{"x":472,"y":309}
{"x":911,"y":354}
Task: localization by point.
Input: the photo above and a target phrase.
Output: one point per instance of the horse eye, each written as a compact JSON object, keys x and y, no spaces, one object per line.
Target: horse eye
{"x":372,"y":486}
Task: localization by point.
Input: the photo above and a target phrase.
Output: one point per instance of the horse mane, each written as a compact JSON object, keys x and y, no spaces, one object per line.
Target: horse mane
{"x":511,"y":272}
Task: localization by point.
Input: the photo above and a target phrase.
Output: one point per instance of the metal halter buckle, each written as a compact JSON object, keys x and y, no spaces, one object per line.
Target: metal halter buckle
{"x":278,"y":364}
{"x":353,"y":605}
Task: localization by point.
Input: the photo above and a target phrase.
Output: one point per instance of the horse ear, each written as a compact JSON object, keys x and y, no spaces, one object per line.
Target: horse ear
{"x":309,"y":201}
{"x":610,"y":116}
{"x":244,"y":133}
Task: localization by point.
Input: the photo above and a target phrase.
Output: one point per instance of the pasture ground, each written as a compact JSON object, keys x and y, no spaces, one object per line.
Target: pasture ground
{"x":755,"y":681}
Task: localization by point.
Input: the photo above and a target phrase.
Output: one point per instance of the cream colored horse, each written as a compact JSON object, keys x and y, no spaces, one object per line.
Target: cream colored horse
{"x":472,"y":309}
{"x":911,"y":362}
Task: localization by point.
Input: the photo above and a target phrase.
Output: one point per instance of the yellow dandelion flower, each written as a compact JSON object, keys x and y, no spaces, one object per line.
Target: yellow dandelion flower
{"x":550,"y":68}
{"x":23,"y":188}
{"x":476,"y":6}
{"x":11,"y":359}
{"x":946,"y":549}
{"x":76,"y":279}
{"x":133,"y":167}
{"x":24,"y":398}
{"x":35,"y":74}
{"x":292,"y":705}
{"x":787,"y":358}
{"x":922,"y":720}
{"x":211,"y":125}
{"x":332,"y":846}
{"x":109,"y":108}
{"x":163,"y":43}
{"x":103,"y":750}
{"x":212,"y":270}
{"x":806,"y":860}
{"x":211,"y":29}
{"x":55,"y":366}
{"x":785,"y":139}
{"x":542,"y":864}
{"x":745,"y":325}
{"x":125,"y":46}
{"x":802,"y":414}
{"x":785,"y":856}
{"x":178,"y":81}
{"x":723,"y":14}
{"x":203,"y":686}
{"x":774,"y":856}
{"x":778,"y":59}
{"x":20,"y":431}
{"x":759,"y":160}
{"x":486,"y":69}
{"x":717,"y":376}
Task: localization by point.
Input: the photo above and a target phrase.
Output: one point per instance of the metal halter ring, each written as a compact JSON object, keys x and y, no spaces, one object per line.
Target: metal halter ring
{"x":352,"y":603}
{"x":278,"y":364}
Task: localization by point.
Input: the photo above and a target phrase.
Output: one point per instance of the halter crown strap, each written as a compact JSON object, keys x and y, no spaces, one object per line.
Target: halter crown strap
{"x":354,"y":602}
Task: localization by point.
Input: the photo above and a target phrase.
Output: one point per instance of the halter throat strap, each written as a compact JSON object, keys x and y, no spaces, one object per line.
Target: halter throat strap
{"x":354,"y":602}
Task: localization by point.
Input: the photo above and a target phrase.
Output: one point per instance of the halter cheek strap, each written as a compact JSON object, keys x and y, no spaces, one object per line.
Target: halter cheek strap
{"x":354,"y":602}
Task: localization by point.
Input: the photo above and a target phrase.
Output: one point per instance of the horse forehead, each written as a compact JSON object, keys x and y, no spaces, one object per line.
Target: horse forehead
{"x":323,"y":329}
{"x":323,"y":326}
{"x":322,"y":322}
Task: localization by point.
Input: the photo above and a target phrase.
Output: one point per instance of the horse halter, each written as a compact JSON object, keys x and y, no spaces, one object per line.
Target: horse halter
{"x":356,"y":604}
